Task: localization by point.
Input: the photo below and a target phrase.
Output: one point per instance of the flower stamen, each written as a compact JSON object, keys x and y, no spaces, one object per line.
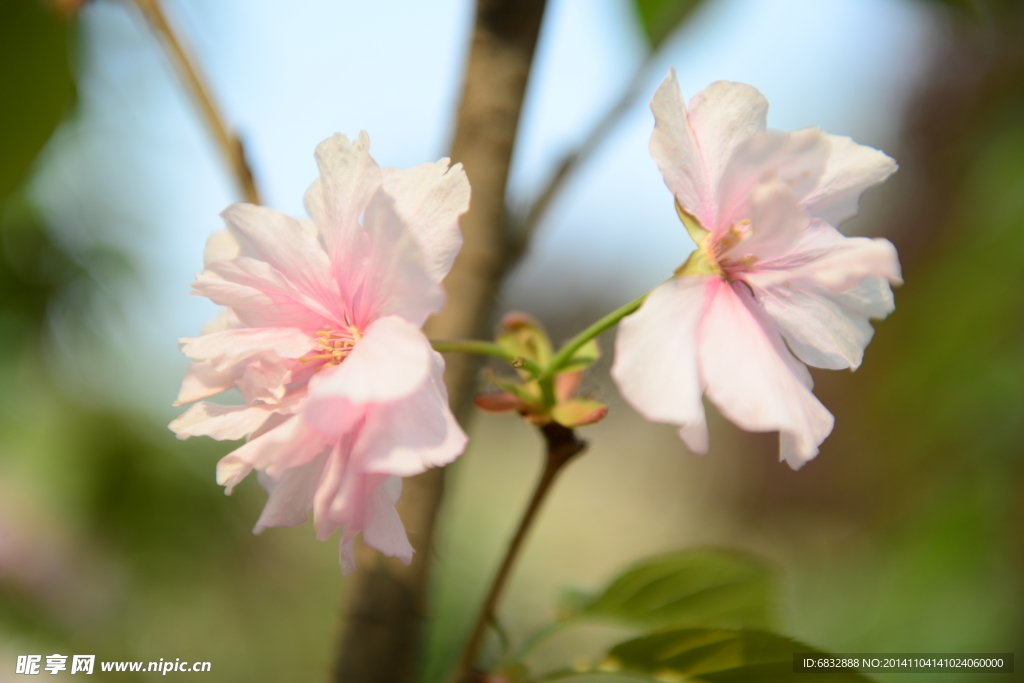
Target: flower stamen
{"x":335,"y":345}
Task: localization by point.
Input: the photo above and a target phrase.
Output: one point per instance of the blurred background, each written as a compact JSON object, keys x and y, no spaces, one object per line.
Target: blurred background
{"x":906,"y":534}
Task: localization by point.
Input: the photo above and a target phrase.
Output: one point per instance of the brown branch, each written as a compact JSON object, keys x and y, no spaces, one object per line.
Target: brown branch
{"x":387,"y":601}
{"x":562,"y":445}
{"x":229,"y":144}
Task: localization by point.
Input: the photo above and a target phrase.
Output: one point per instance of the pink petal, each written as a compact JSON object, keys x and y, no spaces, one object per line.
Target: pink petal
{"x":228,"y":347}
{"x":290,"y":497}
{"x":385,"y":272}
{"x":281,"y":241}
{"x":260,"y":295}
{"x":655,"y":364}
{"x":675,"y":149}
{"x":777,"y":221}
{"x":797,"y":159}
{"x":409,"y":435}
{"x":203,"y":380}
{"x":825,"y":257}
{"x":820,"y":330}
{"x":383,"y":528}
{"x":333,"y":416}
{"x":430,"y":198}
{"x":264,"y":381}
{"x":349,"y":177}
{"x":219,"y":422}
{"x":752,"y":377}
{"x":722,"y":117}
{"x":221,"y":245}
{"x":224,"y":320}
{"x":851,"y":169}
{"x":391,"y":362}
{"x":288,"y":445}
{"x":325,"y":512}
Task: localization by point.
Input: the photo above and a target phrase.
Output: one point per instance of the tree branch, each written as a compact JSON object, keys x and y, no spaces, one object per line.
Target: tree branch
{"x":387,"y":601}
{"x":229,"y":144}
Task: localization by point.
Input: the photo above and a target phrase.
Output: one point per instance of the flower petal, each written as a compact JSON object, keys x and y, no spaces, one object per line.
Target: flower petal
{"x":390,"y":362}
{"x":407,"y":436}
{"x":851,"y":169}
{"x":820,"y":331}
{"x":655,"y":364}
{"x":827,"y":258}
{"x":675,"y":149}
{"x":203,"y":380}
{"x":753,"y":379}
{"x":384,"y":273}
{"x":221,"y":245}
{"x":349,"y":177}
{"x":776,"y":222}
{"x":228,"y":347}
{"x":260,"y":295}
{"x":290,"y":497}
{"x":281,"y":241}
{"x":383,"y":528}
{"x":430,"y":198}
{"x":722,"y":116}
{"x":797,"y":159}
{"x":219,"y":422}
{"x":288,"y":445}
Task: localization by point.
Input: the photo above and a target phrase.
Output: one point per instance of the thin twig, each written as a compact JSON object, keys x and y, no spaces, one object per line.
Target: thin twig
{"x":229,"y":144}
{"x":522,"y":230}
{"x":562,"y":446}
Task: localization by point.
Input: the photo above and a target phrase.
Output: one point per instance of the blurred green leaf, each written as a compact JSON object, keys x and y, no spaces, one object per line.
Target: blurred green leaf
{"x":659,"y":18}
{"x":691,"y":588}
{"x":36,"y":85}
{"x":718,"y":656}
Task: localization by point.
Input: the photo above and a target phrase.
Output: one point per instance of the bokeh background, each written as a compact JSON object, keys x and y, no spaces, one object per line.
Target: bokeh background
{"x":905,"y":535}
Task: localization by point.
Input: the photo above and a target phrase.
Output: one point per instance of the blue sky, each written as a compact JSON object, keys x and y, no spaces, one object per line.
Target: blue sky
{"x":138,"y":170}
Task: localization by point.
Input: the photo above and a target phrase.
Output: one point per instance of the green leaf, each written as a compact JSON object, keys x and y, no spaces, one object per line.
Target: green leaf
{"x":583,"y":357}
{"x":719,"y":656}
{"x":36,"y":85}
{"x":659,"y":18}
{"x":692,"y":588}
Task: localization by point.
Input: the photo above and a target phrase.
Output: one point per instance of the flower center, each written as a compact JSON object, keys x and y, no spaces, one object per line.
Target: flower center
{"x":335,"y":345}
{"x":710,"y":255}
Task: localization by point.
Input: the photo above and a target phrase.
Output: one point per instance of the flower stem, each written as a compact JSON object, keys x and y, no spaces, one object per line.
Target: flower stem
{"x":562,"y":445}
{"x":565,"y":353}
{"x":485,"y":348}
{"x":230,"y":145}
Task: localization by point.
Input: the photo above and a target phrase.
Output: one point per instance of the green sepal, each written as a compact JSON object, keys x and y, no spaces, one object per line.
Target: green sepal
{"x":524,"y":336}
{"x":527,"y":393}
{"x":583,"y":358}
{"x":577,"y":412}
{"x":698,"y":233}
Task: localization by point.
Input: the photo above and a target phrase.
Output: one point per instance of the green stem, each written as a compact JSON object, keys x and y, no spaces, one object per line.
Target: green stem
{"x":484,"y":348}
{"x":562,"y":446}
{"x":565,"y":353}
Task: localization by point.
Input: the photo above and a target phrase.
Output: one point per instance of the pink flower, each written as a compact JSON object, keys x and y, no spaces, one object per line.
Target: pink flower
{"x":772,"y":285}
{"x":343,"y":392}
